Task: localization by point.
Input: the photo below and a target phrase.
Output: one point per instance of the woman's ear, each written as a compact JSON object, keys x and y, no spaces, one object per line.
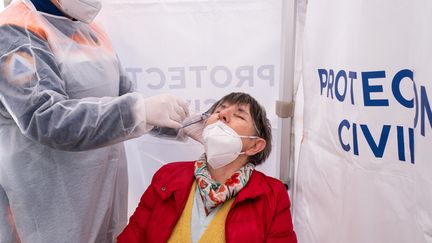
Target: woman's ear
{"x":256,"y":146}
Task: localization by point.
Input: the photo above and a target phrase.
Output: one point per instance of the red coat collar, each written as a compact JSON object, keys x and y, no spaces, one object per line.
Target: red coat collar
{"x":180,"y":176}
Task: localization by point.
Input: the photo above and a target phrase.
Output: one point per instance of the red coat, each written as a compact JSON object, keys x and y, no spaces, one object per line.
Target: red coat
{"x":260,"y":212}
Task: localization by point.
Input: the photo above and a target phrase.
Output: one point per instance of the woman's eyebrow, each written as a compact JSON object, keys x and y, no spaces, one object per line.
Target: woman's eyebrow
{"x":223,"y":106}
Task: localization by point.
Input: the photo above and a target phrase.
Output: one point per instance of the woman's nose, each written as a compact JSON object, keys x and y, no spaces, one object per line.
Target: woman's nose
{"x":224,"y":115}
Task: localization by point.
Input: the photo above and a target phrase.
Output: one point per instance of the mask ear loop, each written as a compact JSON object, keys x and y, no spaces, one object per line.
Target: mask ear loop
{"x":256,"y":129}
{"x":248,"y":137}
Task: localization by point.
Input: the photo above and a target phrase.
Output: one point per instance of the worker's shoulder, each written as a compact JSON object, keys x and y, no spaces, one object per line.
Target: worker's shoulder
{"x":19,"y":16}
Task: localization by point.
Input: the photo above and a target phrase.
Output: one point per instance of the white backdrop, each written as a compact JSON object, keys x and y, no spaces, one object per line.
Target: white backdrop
{"x":365,"y":168}
{"x":199,"y":50}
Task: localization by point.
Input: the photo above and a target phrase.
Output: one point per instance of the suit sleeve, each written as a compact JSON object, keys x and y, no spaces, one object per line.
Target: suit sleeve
{"x":282,"y":230}
{"x":126,"y":85}
{"x":33,"y":94}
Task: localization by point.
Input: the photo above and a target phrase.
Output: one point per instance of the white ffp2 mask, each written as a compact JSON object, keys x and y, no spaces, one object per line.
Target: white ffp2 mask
{"x":82,"y":10}
{"x":222,"y":144}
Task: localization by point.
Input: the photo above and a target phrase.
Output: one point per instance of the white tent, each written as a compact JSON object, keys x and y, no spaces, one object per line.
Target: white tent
{"x":202,"y":50}
{"x":358,"y":72}
{"x":362,"y":173}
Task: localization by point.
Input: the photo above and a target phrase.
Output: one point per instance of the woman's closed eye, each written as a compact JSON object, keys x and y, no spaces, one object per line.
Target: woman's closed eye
{"x":240,"y":116}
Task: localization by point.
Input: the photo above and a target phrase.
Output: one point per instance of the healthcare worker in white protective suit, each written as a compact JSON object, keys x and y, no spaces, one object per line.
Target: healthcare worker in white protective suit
{"x":65,"y":108}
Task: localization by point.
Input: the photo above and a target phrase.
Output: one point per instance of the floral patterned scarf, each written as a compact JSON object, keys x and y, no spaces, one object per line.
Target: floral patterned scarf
{"x":214,"y":193}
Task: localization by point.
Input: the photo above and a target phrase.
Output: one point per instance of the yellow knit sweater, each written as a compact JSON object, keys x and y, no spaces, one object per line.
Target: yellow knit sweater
{"x":215,"y":232}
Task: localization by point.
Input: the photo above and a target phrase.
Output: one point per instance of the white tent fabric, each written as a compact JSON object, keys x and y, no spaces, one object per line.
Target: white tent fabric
{"x":363,"y":132}
{"x":199,"y":50}
{"x":364,"y":173}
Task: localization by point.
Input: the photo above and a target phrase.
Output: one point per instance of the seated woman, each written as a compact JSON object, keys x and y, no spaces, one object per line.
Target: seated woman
{"x":220,"y":197}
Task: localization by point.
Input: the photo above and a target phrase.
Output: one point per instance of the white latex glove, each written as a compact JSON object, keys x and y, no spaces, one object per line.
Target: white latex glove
{"x":194,"y":130}
{"x":165,"y":110}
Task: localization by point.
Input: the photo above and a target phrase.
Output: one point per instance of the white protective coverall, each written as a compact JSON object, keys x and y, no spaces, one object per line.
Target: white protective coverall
{"x":65,"y":108}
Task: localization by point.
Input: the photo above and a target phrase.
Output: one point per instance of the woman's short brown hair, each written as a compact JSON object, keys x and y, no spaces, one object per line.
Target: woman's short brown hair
{"x":259,"y":117}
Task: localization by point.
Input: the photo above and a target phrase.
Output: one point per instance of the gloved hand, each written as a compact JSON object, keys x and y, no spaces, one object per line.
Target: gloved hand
{"x":165,"y":110}
{"x":195,"y":129}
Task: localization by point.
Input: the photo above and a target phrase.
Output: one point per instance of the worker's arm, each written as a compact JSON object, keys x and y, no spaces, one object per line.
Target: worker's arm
{"x":33,"y":94}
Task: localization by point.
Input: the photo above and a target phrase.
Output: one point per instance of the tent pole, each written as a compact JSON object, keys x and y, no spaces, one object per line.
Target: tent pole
{"x":285,"y":106}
